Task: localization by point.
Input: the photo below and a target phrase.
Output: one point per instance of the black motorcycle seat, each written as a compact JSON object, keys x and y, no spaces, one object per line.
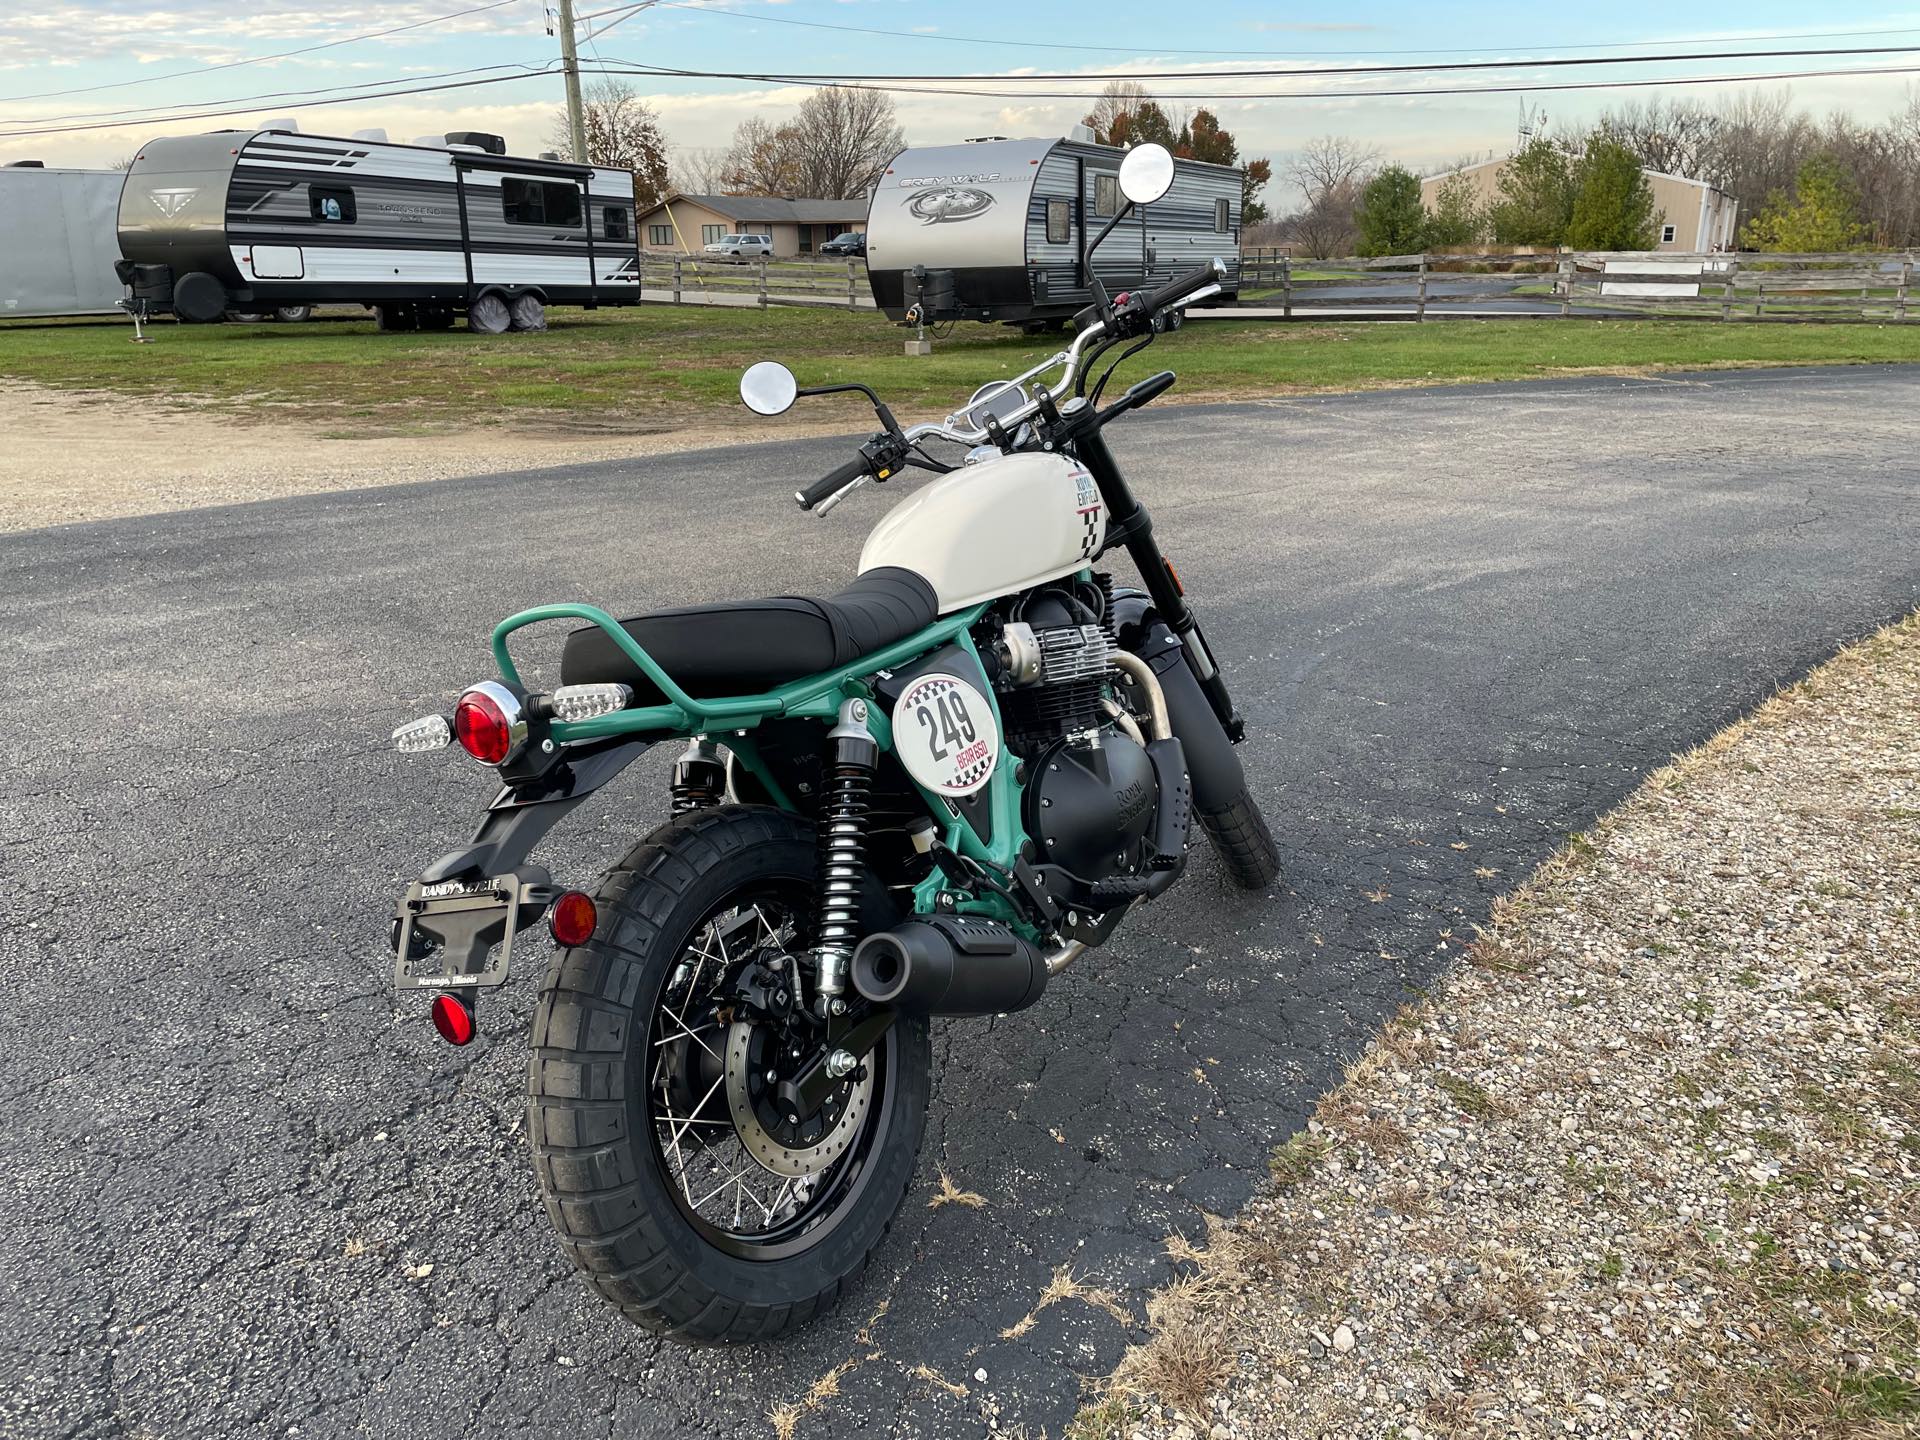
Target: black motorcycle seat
{"x":750,"y":646}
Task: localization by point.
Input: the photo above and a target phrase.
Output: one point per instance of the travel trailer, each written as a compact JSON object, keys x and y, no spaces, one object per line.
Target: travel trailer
{"x":57,"y":249}
{"x":998,"y":230}
{"x":252,"y":220}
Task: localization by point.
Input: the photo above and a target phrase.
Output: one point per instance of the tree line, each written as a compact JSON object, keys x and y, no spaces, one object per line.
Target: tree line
{"x":1802,"y":184}
{"x":840,"y":140}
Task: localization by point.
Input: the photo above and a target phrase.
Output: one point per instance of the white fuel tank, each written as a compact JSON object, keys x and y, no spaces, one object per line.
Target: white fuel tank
{"x":993,"y":528}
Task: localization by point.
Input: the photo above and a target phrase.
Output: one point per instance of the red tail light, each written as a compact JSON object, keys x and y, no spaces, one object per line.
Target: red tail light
{"x":488,"y":722}
{"x":572,"y":918}
{"x":453,"y":1018}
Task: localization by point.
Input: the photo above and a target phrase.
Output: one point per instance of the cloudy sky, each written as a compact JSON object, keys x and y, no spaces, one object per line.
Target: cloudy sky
{"x":85,"y":83}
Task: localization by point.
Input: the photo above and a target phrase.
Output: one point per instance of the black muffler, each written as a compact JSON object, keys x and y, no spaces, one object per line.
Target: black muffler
{"x":949,"y":965}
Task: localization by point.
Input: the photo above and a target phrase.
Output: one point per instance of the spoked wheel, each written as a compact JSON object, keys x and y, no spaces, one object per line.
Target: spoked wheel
{"x":686,"y":1175}
{"x":752,"y":1180}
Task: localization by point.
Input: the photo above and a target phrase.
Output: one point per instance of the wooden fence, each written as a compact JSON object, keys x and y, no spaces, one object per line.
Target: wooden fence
{"x":1855,"y":287}
{"x":801,"y":280}
{"x":1545,"y":284}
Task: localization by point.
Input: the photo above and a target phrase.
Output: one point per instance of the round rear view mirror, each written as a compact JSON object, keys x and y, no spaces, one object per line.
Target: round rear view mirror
{"x":768,"y":388}
{"x":1146,"y":173}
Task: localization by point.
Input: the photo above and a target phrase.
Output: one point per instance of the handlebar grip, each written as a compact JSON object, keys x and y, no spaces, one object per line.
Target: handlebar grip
{"x":1182,"y":286}
{"x":839,"y":479}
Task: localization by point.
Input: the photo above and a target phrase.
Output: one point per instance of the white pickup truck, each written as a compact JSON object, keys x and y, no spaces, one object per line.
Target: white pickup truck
{"x":742,"y":247}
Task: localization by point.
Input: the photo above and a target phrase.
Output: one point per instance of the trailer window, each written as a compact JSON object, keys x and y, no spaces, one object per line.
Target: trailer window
{"x":616,"y":222}
{"x":331,"y":205}
{"x":1220,"y":213}
{"x":1106,"y":195}
{"x":659,"y":234}
{"x":540,"y":202}
{"x":1059,"y":222}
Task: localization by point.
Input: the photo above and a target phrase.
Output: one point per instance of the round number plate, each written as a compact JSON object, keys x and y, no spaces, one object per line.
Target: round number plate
{"x":944,"y":734}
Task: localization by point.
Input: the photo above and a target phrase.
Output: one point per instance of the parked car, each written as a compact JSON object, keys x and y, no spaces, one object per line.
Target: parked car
{"x":742,"y":247}
{"x":848,"y":242}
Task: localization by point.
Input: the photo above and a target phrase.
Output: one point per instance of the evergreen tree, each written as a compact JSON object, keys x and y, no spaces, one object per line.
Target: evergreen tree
{"x":1613,"y":201}
{"x":1390,"y":216}
{"x":1536,"y":196}
{"x":1457,"y":218}
{"x":1821,"y":216}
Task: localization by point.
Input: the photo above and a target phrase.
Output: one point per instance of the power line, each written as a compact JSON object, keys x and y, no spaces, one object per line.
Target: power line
{"x":1454,"y":90}
{"x":1022,"y":43}
{"x":259,"y":59}
{"x":307,"y":105}
{"x":158,"y":114}
{"x":1293,"y":73}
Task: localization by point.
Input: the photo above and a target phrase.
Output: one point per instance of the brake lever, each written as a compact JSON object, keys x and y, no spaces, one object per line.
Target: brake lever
{"x":845,"y":490}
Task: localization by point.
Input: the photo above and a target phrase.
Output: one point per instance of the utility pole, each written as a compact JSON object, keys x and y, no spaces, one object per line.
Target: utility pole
{"x":570,"y":63}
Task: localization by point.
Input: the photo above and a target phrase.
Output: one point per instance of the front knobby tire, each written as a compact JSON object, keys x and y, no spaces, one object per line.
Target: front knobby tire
{"x":1240,"y":837}
{"x":599,"y":1118}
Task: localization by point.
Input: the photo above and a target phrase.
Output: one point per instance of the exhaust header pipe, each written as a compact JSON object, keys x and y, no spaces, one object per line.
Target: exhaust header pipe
{"x":949,"y":965}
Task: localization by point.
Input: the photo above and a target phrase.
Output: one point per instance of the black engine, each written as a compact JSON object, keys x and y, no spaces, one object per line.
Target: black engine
{"x":1094,"y":793}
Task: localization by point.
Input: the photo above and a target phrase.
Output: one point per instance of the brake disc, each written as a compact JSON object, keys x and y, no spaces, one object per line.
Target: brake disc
{"x":766,"y":1147}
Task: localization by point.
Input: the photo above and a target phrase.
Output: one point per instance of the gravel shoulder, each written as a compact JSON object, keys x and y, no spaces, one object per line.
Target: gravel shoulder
{"x":78,"y":455}
{"x":1647,"y":1164}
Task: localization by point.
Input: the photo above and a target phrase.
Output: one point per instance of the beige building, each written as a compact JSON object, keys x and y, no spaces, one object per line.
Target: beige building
{"x":1695,"y":218}
{"x":686,"y":224}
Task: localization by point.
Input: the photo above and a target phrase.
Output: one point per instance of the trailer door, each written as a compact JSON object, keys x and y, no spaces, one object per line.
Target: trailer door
{"x":528,"y":229}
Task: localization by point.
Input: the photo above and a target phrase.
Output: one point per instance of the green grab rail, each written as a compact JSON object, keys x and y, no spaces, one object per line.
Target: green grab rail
{"x":816,"y":695}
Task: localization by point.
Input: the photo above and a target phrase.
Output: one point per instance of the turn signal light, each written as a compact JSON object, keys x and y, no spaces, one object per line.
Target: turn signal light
{"x":429,"y":732}
{"x":571,"y":918}
{"x":585,"y":702}
{"x":489,"y":722}
{"x":453,"y":1018}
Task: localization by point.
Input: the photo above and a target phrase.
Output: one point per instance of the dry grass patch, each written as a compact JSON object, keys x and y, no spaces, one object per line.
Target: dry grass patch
{"x":1062,"y":1286}
{"x":951,"y":1194}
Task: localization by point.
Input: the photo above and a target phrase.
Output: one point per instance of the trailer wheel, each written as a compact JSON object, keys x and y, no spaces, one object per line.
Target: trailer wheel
{"x":292,"y":314}
{"x":529,"y":313}
{"x":489,"y":315}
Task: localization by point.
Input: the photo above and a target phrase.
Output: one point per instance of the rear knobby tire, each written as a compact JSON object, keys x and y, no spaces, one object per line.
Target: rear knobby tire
{"x":610,"y":1194}
{"x":1240,"y":836}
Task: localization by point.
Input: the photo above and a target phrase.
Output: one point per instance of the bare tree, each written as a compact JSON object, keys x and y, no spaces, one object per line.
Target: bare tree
{"x":844,"y":139}
{"x":1121,"y":98}
{"x":1329,"y":172}
{"x":763,"y":160}
{"x":699,"y":171}
{"x":1675,"y":137}
{"x":834,"y":148}
{"x":623,"y":133}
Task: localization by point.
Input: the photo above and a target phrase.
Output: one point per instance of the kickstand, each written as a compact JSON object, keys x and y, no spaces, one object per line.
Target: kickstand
{"x":138,"y":310}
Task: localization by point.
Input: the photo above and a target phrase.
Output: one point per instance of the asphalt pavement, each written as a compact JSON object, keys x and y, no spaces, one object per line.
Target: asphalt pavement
{"x":249,"y":1194}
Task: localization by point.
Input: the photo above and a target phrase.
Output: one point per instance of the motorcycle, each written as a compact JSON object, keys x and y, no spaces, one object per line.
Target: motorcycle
{"x":924,"y":796}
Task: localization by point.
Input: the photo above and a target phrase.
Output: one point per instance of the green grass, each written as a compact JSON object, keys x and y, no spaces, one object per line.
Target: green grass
{"x":677,"y":364}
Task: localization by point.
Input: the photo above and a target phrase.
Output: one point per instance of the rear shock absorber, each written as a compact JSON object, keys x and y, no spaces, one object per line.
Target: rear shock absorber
{"x":699,"y":777}
{"x":843,"y":828}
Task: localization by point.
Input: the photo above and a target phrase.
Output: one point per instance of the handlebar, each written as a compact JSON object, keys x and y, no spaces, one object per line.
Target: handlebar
{"x":854,"y":469}
{"x":1181,"y":286}
{"x":1196,"y":284}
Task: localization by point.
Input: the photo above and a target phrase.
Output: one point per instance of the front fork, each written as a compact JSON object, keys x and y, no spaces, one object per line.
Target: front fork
{"x":1130,"y":524}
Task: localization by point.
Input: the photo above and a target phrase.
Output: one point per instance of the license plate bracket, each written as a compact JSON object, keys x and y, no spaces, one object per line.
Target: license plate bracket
{"x":456,"y":934}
